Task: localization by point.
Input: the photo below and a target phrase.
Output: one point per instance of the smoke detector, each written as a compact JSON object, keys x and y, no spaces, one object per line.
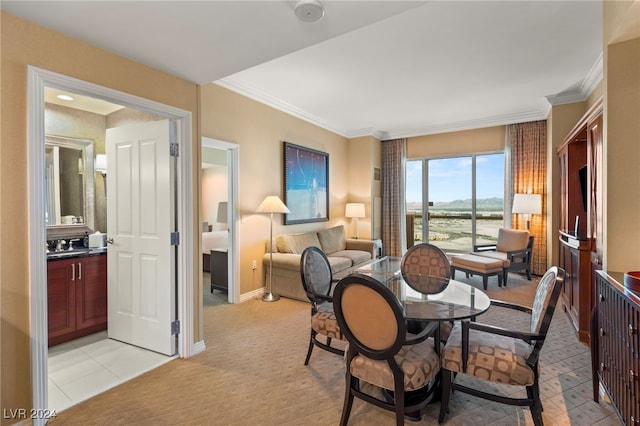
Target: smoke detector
{"x":309,"y":10}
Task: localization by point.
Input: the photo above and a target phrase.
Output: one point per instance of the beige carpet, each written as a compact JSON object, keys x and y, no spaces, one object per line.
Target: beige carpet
{"x":252,"y":373}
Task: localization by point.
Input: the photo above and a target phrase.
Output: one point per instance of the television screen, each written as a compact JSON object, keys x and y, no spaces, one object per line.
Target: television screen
{"x":582,"y":174}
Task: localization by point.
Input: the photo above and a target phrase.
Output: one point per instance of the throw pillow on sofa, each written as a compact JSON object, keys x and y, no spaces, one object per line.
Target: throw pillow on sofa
{"x":296,"y":243}
{"x":333,"y":239}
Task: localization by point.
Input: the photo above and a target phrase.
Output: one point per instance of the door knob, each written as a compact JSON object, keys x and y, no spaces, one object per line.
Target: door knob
{"x":109,"y":240}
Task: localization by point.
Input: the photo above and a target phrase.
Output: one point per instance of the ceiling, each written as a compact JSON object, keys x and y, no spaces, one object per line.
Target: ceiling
{"x":383,"y":68}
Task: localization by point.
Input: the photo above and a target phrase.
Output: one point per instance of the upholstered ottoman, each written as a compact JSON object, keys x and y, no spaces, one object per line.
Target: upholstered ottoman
{"x":477,"y":265}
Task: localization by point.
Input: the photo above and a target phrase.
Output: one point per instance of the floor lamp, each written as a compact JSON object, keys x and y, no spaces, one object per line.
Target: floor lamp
{"x":527,"y":204}
{"x":272,"y":204}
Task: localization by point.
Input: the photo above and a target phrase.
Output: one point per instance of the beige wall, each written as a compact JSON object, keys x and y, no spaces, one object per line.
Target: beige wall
{"x":621,"y":49}
{"x":622,"y":145}
{"x":364,"y":156}
{"x":259,"y":131}
{"x":25,"y":43}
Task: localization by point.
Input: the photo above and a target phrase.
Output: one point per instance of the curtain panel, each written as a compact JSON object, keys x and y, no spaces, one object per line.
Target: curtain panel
{"x":393,"y":197}
{"x":527,"y":143}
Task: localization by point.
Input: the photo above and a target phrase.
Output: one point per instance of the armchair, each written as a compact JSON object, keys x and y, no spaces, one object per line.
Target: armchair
{"x":514,"y":248}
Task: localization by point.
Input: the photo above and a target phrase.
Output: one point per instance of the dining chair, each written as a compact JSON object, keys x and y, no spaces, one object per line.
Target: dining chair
{"x":380,"y":352}
{"x":426,"y":259}
{"x":317,"y":279}
{"x":501,"y":355}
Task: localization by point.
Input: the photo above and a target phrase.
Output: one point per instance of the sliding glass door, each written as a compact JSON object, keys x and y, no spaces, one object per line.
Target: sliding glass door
{"x":455,"y":202}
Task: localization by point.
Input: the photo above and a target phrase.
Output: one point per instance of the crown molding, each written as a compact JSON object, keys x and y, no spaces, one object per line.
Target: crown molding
{"x":241,"y":88}
{"x":502,"y":120}
{"x":583,"y":90}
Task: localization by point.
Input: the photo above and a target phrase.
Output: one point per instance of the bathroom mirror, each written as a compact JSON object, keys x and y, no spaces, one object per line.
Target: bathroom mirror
{"x":69,"y":182}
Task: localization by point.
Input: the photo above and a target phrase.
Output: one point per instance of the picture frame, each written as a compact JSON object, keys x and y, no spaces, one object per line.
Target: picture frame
{"x":306,"y":184}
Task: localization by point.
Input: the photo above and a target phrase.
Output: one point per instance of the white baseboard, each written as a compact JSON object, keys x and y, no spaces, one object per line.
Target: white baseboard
{"x":198,"y":347}
{"x":255,"y":294}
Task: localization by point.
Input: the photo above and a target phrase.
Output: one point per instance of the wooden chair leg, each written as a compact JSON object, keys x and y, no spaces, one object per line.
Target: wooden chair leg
{"x":348,"y":400}
{"x":446,"y":394}
{"x":306,"y":360}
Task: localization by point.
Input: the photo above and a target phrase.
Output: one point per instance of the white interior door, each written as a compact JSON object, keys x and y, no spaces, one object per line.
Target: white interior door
{"x":140,"y":219}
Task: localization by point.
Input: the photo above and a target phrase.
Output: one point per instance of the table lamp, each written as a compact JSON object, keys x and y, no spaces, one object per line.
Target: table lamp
{"x":272,"y":204}
{"x":355,"y":211}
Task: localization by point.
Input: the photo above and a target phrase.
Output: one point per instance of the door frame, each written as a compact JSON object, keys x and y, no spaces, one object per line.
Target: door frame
{"x":233,"y":166}
{"x":37,"y":80}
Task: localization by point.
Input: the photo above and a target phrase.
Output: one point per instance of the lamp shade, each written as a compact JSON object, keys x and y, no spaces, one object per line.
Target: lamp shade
{"x":222,"y":212}
{"x":354,"y":210}
{"x":272,"y":204}
{"x":101,"y":163}
{"x":527,"y":204}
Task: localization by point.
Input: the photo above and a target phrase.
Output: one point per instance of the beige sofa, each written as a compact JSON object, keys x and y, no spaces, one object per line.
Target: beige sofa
{"x":345,"y":255}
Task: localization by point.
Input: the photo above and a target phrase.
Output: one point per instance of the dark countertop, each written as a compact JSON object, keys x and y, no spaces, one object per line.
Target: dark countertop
{"x":60,"y":255}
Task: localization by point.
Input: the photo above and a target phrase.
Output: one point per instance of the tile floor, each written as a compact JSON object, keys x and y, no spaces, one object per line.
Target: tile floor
{"x":85,"y":367}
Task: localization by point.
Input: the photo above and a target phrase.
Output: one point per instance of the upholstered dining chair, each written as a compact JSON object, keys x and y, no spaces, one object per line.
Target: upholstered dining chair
{"x":501,"y":355}
{"x":426,"y":259}
{"x":379,"y":351}
{"x":317,"y":279}
{"x":514,"y":248}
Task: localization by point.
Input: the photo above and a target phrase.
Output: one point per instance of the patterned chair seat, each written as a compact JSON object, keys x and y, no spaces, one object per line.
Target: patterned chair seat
{"x":491,"y":357}
{"x":420,"y":364}
{"x":324,"y":322}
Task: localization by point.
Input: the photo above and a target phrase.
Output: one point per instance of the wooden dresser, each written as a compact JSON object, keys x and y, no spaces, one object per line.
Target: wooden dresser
{"x":615,"y":345}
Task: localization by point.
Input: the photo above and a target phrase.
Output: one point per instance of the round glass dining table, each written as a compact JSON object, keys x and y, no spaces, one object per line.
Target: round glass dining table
{"x":427,"y":297}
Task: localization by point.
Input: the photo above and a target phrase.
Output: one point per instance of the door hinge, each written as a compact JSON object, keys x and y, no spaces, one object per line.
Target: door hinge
{"x":175,"y":238}
{"x":175,"y":327}
{"x":174,"y":149}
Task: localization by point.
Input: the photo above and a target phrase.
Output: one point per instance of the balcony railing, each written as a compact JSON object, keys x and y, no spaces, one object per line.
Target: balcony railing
{"x":452,"y":232}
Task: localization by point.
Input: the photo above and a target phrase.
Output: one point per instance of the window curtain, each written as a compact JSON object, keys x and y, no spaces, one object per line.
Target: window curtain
{"x":527,"y":144}
{"x":393,"y":197}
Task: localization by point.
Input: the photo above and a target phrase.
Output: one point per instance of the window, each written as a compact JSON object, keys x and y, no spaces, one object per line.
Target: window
{"x":465,"y":200}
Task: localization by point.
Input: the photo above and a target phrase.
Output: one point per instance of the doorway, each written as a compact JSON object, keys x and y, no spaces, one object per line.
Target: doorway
{"x":219,"y":199}
{"x":38,"y":80}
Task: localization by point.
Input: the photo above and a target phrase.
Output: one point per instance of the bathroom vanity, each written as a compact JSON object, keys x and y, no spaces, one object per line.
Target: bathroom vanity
{"x":76,"y":294}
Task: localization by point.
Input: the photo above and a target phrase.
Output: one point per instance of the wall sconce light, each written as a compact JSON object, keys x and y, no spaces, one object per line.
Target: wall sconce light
{"x":101,"y":164}
{"x":355,"y":211}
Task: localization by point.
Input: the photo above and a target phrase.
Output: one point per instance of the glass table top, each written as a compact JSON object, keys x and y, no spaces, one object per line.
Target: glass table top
{"x":427,"y":297}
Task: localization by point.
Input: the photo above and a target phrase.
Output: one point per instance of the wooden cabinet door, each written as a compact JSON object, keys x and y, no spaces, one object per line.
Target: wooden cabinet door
{"x":61,"y":297}
{"x":91,"y":292}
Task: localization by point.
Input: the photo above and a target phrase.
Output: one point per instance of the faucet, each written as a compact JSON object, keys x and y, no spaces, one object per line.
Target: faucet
{"x":70,"y":247}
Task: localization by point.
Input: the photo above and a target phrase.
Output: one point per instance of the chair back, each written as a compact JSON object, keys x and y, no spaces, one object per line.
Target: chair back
{"x":546,"y":298}
{"x":370,"y":317}
{"x":425,"y":259}
{"x":315,"y":273}
{"x":512,"y":239}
